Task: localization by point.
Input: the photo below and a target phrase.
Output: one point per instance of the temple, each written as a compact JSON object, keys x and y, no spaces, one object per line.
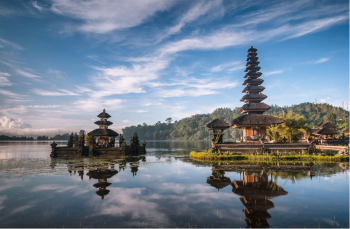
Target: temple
{"x":325,"y":131}
{"x":105,"y":137}
{"x":252,"y":123}
{"x":99,"y":142}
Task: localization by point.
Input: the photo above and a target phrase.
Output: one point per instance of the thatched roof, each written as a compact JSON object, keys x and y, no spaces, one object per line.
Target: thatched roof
{"x":253,"y":96}
{"x":328,"y":125}
{"x":219,"y":183}
{"x":327,"y":131}
{"x":252,"y":68}
{"x":256,"y":119}
{"x":252,"y":75}
{"x":217,"y":124}
{"x":102,"y":184}
{"x":252,"y":62}
{"x":103,"y":123}
{"x":104,"y":114}
{"x":254,"y":106}
{"x":314,"y":131}
{"x":249,"y":88}
{"x":253,"y":81}
{"x":252,"y":58}
{"x":251,"y":54}
{"x":103,"y":132}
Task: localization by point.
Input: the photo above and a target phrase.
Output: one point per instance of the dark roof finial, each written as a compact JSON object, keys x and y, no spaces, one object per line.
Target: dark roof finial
{"x":251,"y":46}
{"x":104,"y":110}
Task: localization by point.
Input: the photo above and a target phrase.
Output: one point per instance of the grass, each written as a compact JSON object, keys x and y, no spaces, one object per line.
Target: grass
{"x":207,"y":155}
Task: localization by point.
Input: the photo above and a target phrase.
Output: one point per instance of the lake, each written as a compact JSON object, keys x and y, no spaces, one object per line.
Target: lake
{"x":166,"y":188}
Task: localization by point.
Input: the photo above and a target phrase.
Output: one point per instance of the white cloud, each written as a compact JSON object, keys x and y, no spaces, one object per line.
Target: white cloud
{"x":62,"y":92}
{"x":213,"y":9}
{"x":4,"y":74}
{"x":95,"y":104}
{"x":103,"y":16}
{"x":273,"y":72}
{"x":321,"y":60}
{"x":10,"y":94}
{"x":223,"y":66}
{"x":36,"y":5}
{"x":141,"y":111}
{"x":10,"y":123}
{"x":236,"y":68}
{"x":27,"y":74}
{"x":124,"y":80}
{"x":4,"y":81}
{"x":11,"y":44}
{"x":126,"y":121}
{"x":323,"y":100}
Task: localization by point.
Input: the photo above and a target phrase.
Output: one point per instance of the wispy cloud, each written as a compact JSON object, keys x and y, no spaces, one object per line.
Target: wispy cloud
{"x":95,"y":58}
{"x":210,"y":9}
{"x":4,"y":81}
{"x":11,"y":44}
{"x":60,"y":92}
{"x":141,"y":111}
{"x":321,"y":60}
{"x":56,"y":73}
{"x":27,"y":74}
{"x":273,"y":72}
{"x":102,"y":16}
{"x":10,"y":94}
{"x":37,"y":6}
{"x":96,"y":104}
{"x":223,"y":66}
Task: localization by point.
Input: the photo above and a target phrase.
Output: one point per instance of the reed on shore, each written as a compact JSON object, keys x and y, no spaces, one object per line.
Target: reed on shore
{"x":278,"y":156}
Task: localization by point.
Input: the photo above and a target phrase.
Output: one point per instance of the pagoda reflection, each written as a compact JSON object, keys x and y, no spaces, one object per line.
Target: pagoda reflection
{"x":101,"y":169}
{"x":102,"y":175}
{"x":257,"y":190}
{"x":257,"y":185}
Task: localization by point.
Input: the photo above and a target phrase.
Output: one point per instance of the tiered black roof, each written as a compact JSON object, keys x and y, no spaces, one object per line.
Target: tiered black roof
{"x":251,"y":81}
{"x":103,"y":123}
{"x":104,"y":114}
{"x":253,"y":89}
{"x":253,"y":109}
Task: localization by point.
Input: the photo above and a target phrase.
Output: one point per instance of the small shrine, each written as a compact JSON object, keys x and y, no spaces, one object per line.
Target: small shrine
{"x":103,"y":136}
{"x":252,"y":123}
{"x":325,"y":131}
{"x":99,"y":142}
{"x":217,"y":126}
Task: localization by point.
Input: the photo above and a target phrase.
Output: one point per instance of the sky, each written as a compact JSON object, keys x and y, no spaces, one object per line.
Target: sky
{"x":63,"y":61}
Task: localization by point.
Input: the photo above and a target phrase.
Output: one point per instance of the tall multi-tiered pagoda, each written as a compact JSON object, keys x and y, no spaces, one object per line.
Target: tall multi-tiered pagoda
{"x":105,"y":137}
{"x":252,"y":124}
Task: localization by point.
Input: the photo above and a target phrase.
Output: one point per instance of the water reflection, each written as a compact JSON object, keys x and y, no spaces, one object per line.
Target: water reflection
{"x":168,"y":190}
{"x":257,"y":185}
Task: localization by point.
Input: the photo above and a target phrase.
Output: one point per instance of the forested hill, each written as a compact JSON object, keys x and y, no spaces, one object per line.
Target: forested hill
{"x":193,"y":128}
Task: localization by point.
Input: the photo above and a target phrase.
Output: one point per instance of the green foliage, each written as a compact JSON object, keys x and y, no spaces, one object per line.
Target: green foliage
{"x":4,"y":137}
{"x":193,"y":128}
{"x":294,"y":126}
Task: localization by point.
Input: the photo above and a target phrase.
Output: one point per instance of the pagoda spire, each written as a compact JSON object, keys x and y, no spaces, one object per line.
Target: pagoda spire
{"x":253,"y":88}
{"x":103,"y":123}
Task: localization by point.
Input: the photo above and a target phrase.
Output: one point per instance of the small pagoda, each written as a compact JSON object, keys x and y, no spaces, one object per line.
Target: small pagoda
{"x":217,"y":126}
{"x":252,"y":123}
{"x":325,"y":131}
{"x":105,"y":137}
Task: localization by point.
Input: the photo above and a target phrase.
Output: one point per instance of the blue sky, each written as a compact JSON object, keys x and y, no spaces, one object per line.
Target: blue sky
{"x":63,"y":61}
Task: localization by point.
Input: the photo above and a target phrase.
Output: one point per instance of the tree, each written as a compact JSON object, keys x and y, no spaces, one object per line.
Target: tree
{"x":168,"y":120}
{"x":294,"y":126}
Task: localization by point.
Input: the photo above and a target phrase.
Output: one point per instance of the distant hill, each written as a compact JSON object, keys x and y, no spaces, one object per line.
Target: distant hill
{"x":193,"y":128}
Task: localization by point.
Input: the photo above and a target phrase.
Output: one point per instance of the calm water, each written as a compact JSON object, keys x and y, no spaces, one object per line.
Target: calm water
{"x":166,"y":189}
